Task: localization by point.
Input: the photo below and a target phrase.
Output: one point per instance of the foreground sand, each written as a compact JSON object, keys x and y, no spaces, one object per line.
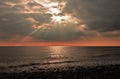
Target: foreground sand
{"x":78,"y":72}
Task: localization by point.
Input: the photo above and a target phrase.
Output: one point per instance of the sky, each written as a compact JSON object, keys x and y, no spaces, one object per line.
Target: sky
{"x":59,"y":22}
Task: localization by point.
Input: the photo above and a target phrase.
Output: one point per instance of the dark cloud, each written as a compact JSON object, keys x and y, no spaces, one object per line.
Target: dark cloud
{"x":14,"y":24}
{"x":99,"y":15}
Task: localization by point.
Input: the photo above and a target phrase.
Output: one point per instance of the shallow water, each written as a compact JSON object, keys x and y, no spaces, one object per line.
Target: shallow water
{"x":57,"y":56}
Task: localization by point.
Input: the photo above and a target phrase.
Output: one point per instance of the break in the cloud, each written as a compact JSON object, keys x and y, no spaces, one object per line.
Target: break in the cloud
{"x":63,"y":20}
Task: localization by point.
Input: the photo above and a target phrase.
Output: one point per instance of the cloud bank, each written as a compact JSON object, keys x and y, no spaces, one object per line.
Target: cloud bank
{"x":79,"y":19}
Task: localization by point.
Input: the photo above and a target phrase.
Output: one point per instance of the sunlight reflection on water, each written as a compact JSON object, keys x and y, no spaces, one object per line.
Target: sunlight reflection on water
{"x":57,"y":54}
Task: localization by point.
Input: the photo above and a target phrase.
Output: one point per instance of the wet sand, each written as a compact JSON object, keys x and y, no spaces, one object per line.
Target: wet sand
{"x":77,"y":72}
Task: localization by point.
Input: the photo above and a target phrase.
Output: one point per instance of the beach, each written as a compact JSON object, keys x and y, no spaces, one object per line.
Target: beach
{"x":78,"y":72}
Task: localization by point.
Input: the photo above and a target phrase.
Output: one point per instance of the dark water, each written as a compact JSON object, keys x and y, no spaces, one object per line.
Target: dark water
{"x":57,"y":56}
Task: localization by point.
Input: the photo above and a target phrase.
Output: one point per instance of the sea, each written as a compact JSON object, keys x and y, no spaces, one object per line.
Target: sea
{"x":23,"y":58}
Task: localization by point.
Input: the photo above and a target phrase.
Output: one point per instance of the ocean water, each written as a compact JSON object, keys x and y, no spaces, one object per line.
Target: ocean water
{"x":26,"y":58}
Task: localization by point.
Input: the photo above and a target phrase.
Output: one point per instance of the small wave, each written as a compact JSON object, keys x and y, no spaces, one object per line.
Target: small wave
{"x":35,"y":64}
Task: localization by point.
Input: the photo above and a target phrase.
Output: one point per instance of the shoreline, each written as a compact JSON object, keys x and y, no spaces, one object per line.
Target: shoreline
{"x":76,"y":72}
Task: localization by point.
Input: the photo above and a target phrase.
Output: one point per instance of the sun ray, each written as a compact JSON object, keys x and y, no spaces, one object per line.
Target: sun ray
{"x":58,"y":19}
{"x":24,"y":39}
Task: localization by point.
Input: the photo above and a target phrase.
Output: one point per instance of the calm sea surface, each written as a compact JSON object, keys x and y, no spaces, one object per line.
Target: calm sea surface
{"x":55,"y":56}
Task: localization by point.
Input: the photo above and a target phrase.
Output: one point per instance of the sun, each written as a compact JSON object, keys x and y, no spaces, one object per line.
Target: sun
{"x":60,"y":18}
